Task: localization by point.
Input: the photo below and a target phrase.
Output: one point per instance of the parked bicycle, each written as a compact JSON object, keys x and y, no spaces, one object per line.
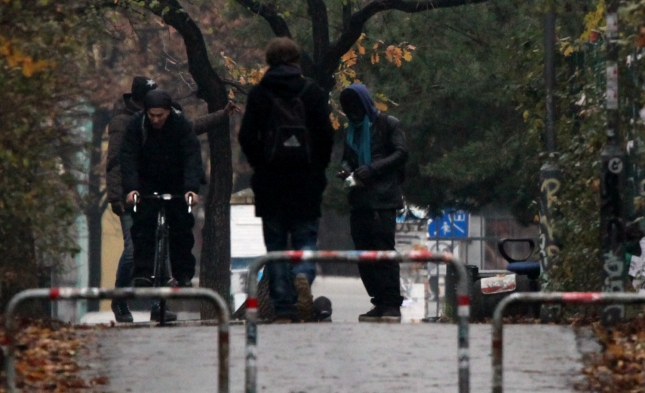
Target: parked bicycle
{"x":162,"y":269}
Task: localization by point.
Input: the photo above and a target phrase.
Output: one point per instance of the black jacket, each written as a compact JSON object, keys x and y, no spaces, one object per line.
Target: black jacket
{"x":389,"y":154}
{"x":294,"y":191}
{"x":167,"y":160}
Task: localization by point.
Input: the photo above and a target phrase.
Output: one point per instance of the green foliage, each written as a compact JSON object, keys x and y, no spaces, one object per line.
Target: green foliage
{"x":40,"y":54}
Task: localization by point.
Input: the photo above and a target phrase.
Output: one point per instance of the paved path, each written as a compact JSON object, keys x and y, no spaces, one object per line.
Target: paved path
{"x":337,"y":357}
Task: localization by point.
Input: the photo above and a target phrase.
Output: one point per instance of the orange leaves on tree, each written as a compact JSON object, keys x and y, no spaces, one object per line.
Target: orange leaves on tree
{"x":334,"y":121}
{"x":640,"y":39}
{"x":16,"y":59}
{"x":381,"y":106}
{"x":349,"y":58}
{"x":394,"y":55}
{"x":242,"y":75}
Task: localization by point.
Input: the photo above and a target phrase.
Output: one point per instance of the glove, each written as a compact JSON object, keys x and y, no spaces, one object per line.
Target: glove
{"x":363,"y":172}
{"x":117,"y":208}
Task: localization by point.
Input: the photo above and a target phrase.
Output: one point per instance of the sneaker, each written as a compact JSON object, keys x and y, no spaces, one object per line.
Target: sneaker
{"x":305,"y":302}
{"x":155,"y":314}
{"x":121,"y":311}
{"x":373,"y":315}
{"x":322,"y":309}
{"x":391,"y":314}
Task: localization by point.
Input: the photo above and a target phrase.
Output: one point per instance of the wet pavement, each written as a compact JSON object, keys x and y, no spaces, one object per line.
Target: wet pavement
{"x":338,"y":357}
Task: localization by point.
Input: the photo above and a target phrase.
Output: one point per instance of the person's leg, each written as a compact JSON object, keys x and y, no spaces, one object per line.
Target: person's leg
{"x":374,"y":230}
{"x":361,"y":227}
{"x":181,"y":242}
{"x":143,"y":239}
{"x":304,"y":236}
{"x":281,"y":287}
{"x":126,"y":262}
{"x":124,"y":270}
{"x":386,"y":274}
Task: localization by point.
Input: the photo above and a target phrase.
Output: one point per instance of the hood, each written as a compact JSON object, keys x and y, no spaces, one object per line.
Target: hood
{"x":366,"y":100}
{"x":125,"y":106}
{"x":284,"y":80}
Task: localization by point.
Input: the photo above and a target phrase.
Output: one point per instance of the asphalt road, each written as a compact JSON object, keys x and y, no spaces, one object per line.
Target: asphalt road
{"x":336,"y":357}
{"x":343,"y":356}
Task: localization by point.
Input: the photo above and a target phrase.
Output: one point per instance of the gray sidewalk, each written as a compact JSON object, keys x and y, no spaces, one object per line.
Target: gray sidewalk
{"x":337,"y":357}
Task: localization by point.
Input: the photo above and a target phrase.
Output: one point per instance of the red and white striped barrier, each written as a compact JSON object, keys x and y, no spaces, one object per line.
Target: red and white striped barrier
{"x":56,"y":294}
{"x":584,"y":298}
{"x":463,"y":290}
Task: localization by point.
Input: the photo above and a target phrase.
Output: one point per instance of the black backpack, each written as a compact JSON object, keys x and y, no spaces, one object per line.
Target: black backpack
{"x":288,"y":140}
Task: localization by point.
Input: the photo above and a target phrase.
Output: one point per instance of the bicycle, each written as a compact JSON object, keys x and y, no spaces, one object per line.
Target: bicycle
{"x":162,"y":270}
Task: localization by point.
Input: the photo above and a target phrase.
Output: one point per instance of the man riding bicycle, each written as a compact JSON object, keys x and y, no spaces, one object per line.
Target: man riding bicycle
{"x":161,"y":154}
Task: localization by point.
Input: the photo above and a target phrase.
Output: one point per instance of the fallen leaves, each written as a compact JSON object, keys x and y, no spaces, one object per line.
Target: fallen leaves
{"x":46,"y":358}
{"x":621,"y":365}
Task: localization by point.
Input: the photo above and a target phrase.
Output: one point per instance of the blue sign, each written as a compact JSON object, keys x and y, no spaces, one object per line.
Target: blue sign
{"x":452,"y":224}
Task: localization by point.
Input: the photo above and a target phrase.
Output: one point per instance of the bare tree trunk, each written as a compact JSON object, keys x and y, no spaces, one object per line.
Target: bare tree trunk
{"x":216,"y":234}
{"x":95,"y":208}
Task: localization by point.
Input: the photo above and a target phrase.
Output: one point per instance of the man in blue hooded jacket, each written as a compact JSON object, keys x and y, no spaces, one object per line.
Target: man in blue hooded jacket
{"x":374,"y":156}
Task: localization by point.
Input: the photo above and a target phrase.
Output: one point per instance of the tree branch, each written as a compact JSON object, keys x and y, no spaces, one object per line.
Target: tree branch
{"x":320,"y":28}
{"x":347,"y":14}
{"x":208,"y":82}
{"x":270,"y":14}
{"x":359,"y":18}
{"x":240,"y":87}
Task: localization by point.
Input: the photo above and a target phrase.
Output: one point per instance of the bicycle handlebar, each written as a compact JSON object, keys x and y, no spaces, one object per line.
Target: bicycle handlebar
{"x":164,"y":197}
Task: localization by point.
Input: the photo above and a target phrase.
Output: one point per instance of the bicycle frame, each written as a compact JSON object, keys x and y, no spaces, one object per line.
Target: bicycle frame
{"x":162,"y":268}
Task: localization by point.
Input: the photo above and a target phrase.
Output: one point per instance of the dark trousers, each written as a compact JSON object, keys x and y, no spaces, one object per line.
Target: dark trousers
{"x":304,"y":235}
{"x":180,"y":239}
{"x":373,"y":230}
{"x":126,"y":262}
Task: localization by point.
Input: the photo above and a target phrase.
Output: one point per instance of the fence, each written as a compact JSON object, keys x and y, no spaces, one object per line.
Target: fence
{"x":56,"y":294}
{"x":586,"y":298}
{"x":463,"y":289}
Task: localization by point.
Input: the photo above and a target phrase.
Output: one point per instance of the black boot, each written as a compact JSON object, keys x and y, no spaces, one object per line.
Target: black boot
{"x":121,"y":311}
{"x":155,"y":314}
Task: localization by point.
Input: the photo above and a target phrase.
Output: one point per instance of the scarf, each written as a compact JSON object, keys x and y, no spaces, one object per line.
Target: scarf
{"x":363,"y":148}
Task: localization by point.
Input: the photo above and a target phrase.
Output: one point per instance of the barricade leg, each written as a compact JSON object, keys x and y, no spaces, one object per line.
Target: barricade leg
{"x":582,"y":298}
{"x":56,"y":294}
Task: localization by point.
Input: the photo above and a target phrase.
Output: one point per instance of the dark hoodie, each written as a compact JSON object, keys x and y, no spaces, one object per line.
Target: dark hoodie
{"x":122,"y":113}
{"x":389,"y":154}
{"x":167,"y":160}
{"x":294,"y":191}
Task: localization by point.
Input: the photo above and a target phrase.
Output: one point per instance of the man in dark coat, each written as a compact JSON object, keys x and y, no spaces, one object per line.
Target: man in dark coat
{"x":161,"y":153}
{"x":374,"y":156}
{"x":123,"y":112}
{"x":288,"y":194}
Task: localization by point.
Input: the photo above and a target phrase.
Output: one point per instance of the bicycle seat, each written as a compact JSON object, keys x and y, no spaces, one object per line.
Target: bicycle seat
{"x":529,"y":269}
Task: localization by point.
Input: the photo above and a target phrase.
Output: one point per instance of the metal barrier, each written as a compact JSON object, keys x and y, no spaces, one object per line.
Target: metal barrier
{"x":463,"y":289}
{"x":55,"y":294}
{"x":552,"y":297}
